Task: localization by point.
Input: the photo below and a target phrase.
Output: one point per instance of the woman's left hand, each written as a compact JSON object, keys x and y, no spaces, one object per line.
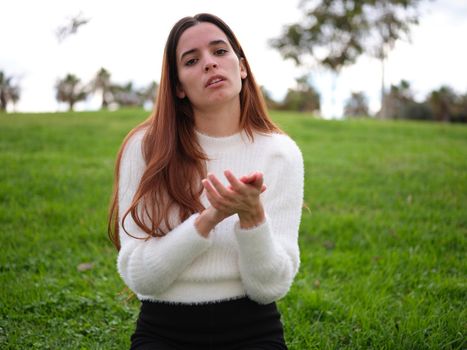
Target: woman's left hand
{"x":242,"y":197}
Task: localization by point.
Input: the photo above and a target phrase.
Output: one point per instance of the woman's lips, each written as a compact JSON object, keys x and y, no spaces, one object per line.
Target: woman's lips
{"x":214,"y":80}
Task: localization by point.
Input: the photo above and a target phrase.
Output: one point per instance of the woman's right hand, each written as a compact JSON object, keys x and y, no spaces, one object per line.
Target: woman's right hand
{"x":207,"y":220}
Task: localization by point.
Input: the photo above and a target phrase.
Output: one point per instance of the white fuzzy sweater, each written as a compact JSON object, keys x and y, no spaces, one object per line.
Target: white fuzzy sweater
{"x":183,"y":266}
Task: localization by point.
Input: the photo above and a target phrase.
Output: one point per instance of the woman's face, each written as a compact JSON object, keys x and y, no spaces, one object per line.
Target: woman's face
{"x":210,"y":73}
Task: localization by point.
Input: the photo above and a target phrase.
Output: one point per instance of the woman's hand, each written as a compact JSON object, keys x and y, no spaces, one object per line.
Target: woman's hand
{"x":240,"y":197}
{"x":207,"y":220}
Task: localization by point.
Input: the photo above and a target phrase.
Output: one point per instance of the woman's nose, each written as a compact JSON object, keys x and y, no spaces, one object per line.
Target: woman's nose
{"x":209,"y":66}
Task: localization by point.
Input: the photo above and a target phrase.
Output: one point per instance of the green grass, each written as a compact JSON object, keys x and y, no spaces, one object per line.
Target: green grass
{"x":382,"y":242}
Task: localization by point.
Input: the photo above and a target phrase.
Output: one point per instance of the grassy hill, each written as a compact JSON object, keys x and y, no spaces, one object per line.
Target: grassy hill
{"x":383,"y":237}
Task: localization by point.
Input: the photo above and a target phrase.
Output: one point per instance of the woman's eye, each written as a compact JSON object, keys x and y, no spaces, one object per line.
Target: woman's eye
{"x":191,"y":62}
{"x":220,"y":51}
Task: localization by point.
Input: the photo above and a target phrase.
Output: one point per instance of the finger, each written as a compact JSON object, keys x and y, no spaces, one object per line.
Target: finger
{"x":210,"y":190}
{"x":263,"y":188}
{"x":235,"y":183}
{"x":220,"y":188}
{"x":259,"y":179}
{"x":249,"y":178}
{"x":255,"y":179}
{"x":213,"y":201}
{"x":213,"y":197}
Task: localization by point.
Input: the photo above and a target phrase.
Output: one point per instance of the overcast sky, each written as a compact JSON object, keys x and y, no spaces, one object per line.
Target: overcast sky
{"x":127,"y":38}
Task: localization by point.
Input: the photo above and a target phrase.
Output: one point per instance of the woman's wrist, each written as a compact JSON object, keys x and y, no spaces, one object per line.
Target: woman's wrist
{"x":207,"y":220}
{"x":252,"y":219}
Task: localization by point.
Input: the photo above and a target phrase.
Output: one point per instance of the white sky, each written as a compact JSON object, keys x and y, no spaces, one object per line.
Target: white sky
{"x":127,"y":38}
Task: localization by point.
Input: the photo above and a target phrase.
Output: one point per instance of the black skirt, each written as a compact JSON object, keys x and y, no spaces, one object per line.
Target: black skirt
{"x":239,"y":324}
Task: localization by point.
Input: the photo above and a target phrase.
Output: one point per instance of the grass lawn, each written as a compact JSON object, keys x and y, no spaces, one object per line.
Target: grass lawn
{"x":383,"y":240}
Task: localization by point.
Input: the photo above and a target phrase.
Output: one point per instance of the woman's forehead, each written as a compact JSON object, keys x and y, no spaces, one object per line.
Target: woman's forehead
{"x":199,"y":36}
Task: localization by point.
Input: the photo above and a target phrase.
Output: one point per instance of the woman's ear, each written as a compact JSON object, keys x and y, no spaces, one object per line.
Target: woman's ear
{"x":180,"y":93}
{"x":243,"y":71}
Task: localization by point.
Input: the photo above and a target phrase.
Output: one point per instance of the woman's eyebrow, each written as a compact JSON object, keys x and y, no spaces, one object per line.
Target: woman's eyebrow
{"x":211,"y":43}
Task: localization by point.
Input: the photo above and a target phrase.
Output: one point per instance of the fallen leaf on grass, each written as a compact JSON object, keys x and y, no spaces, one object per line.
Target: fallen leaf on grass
{"x":85,"y":267}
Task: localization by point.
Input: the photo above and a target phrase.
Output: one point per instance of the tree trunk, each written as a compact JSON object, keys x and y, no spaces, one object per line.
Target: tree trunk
{"x":105,"y":104}
{"x":383,"y":107}
{"x":3,"y":101}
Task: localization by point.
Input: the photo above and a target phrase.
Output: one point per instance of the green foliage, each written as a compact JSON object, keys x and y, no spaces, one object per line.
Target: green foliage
{"x":442,"y":104}
{"x":9,"y":91}
{"x":356,"y":105}
{"x":128,"y":96}
{"x":335,"y":32}
{"x":382,"y":241}
{"x":70,"y":90}
{"x":446,"y":105}
{"x":304,"y":98}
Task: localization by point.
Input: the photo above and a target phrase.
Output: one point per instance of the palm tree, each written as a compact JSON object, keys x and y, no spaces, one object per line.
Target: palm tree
{"x":101,"y":83}
{"x":8,"y":91}
{"x":70,"y":90}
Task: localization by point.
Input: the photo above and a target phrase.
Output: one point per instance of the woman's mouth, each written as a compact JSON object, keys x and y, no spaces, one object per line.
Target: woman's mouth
{"x":214,"y":80}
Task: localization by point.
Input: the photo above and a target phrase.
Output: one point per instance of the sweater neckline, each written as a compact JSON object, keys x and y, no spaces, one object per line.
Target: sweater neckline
{"x":218,"y":143}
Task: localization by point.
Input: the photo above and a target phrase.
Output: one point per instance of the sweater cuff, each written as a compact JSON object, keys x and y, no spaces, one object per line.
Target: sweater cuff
{"x":256,"y":242}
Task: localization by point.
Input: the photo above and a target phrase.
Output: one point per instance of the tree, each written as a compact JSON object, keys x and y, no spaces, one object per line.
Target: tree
{"x":9,"y":91}
{"x":129,"y":96}
{"x":149,"y":93}
{"x":101,"y":83}
{"x":304,"y":98}
{"x":70,"y":90}
{"x":334,"y":33}
{"x":460,"y":110}
{"x":390,"y":22}
{"x":394,"y":102}
{"x":356,"y":105}
{"x":399,"y":103}
{"x":126,"y":95}
{"x":417,"y":111}
{"x":442,"y":102}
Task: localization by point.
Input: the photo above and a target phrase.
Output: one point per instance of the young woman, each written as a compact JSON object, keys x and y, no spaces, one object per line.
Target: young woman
{"x":207,"y":202}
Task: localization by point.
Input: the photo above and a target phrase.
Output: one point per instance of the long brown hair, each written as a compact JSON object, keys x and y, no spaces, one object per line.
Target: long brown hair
{"x":175,"y":162}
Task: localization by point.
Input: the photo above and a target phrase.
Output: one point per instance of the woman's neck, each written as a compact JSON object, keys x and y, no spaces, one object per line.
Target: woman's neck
{"x":218,"y":122}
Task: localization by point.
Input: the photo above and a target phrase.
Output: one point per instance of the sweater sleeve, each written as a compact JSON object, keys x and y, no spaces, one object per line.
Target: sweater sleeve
{"x":269,"y":254}
{"x":149,"y":265}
